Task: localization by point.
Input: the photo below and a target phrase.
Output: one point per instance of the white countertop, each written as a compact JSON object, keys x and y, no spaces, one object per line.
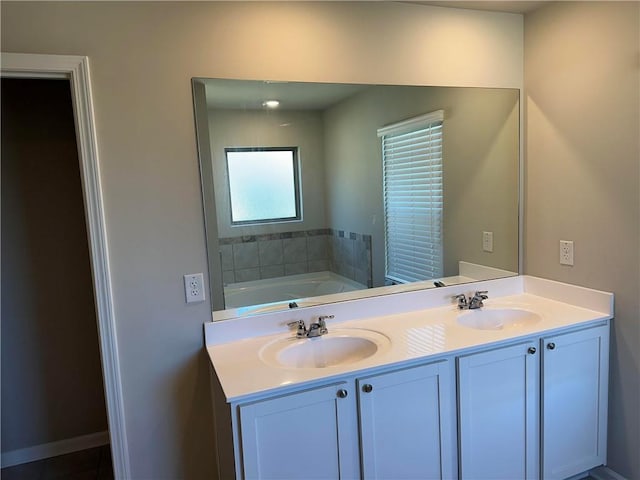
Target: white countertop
{"x":414,"y":333}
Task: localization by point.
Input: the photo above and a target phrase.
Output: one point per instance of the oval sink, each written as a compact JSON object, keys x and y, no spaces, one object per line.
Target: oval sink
{"x":498,"y":318}
{"x":338,"y":347}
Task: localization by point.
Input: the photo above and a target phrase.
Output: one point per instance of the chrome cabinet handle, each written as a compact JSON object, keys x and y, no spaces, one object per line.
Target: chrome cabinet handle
{"x":342,"y":393}
{"x":551,"y":346}
{"x":367,"y":388}
{"x":532,"y":350}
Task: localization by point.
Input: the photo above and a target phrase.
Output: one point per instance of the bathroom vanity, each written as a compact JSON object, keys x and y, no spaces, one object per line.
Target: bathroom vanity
{"x":410,"y":386}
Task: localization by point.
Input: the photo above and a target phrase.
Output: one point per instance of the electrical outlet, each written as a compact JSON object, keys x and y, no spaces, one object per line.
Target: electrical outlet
{"x":194,"y":287}
{"x":487,"y":241}
{"x":566,"y":252}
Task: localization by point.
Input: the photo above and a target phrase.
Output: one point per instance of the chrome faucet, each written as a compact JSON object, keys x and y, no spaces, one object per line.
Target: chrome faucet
{"x":316,"y":329}
{"x":477,"y":299}
{"x":473,"y":302}
{"x":320,"y":327}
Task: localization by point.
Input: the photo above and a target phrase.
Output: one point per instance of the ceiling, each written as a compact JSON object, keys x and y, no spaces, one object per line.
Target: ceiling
{"x":249,"y":95}
{"x":506,"y":6}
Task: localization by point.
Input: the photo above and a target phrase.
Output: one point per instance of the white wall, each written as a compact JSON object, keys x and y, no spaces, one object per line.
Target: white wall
{"x":583,"y":178}
{"x":143,"y":56}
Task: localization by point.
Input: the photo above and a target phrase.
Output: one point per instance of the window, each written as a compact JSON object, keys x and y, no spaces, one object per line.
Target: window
{"x":412,"y":185}
{"x":264,"y":185}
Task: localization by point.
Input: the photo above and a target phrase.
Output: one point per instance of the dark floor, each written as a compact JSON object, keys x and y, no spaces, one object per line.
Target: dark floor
{"x":90,"y":464}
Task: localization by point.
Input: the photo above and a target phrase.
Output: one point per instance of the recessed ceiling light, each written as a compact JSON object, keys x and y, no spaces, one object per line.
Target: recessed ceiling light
{"x":271,"y":103}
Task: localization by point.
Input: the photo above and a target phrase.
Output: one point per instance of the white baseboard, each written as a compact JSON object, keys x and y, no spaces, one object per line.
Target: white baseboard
{"x":46,"y":450}
{"x":605,"y":473}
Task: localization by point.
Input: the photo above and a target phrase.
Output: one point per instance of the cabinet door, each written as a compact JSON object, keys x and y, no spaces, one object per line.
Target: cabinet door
{"x":306,"y":435}
{"x":574,"y":402}
{"x":499,"y":413}
{"x":407,"y":423}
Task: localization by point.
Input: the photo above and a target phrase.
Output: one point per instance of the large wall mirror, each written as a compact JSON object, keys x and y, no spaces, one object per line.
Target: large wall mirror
{"x":317,"y":193}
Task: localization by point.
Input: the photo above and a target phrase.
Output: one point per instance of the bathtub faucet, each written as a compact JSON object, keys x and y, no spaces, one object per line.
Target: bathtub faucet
{"x":315,"y":329}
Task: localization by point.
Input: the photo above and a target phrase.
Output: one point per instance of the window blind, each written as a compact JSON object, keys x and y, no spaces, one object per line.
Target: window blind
{"x":413,"y":198}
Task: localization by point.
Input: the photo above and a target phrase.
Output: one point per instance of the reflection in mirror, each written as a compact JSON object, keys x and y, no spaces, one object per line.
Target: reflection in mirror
{"x":317,"y":193}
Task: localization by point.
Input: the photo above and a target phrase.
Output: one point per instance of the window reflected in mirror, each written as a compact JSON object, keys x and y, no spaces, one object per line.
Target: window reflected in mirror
{"x":263,"y":184}
{"x":412,"y":187}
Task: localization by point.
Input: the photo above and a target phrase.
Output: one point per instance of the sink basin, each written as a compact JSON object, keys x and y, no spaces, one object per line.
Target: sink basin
{"x":338,"y":347}
{"x":497,"y":318}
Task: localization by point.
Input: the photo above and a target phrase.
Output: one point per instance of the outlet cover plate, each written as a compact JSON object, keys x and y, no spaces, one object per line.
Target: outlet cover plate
{"x":487,"y":241}
{"x":194,"y":287}
{"x":566,"y":252}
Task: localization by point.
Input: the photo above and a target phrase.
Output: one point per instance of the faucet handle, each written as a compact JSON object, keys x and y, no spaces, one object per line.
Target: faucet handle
{"x":478,"y":298}
{"x":323,"y":324}
{"x":462,"y":300}
{"x":301,"y":327}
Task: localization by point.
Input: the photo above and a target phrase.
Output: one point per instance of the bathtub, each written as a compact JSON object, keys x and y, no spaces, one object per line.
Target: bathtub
{"x":260,"y":296}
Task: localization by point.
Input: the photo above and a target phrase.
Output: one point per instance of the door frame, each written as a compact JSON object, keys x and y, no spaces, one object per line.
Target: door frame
{"x":76,"y":69}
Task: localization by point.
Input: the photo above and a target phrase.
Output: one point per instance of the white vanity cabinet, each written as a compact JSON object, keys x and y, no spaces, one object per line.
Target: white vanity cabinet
{"x":515,"y":390}
{"x":498,"y":391}
{"x":397,"y":424}
{"x":575,"y":373}
{"x":536,"y":409}
{"x":308,"y":434}
{"x":407,"y":423}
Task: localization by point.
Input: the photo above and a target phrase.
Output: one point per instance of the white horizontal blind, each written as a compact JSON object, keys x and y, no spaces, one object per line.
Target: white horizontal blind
{"x":412,"y":176}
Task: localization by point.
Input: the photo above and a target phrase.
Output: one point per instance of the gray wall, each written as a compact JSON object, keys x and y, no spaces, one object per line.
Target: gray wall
{"x":51,"y":375}
{"x":583,"y":178}
{"x":143,"y":56}
{"x":480,"y":149}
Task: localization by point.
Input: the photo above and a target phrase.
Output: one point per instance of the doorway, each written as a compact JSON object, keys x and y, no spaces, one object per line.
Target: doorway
{"x":52,"y":386}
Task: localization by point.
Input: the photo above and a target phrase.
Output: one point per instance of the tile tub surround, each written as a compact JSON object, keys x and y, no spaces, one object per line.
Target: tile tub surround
{"x":419,"y":324}
{"x":257,"y":257}
{"x":351,"y":256}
